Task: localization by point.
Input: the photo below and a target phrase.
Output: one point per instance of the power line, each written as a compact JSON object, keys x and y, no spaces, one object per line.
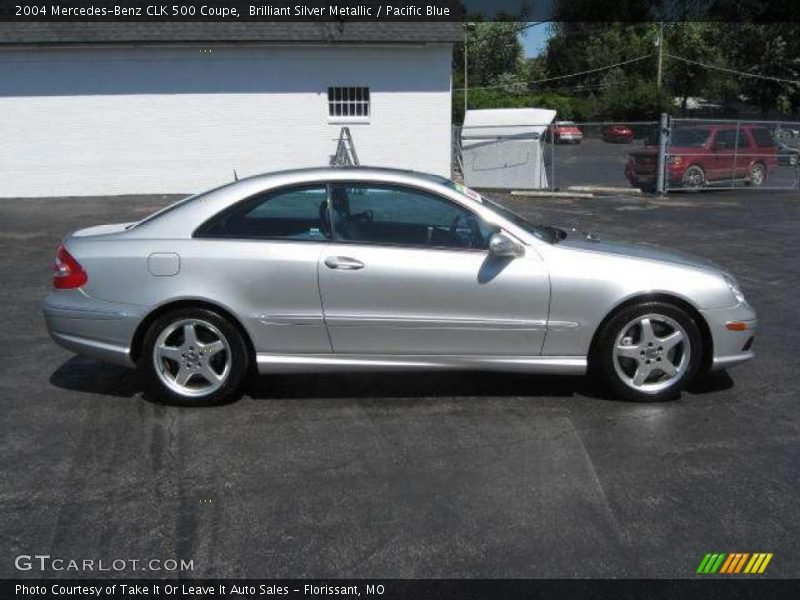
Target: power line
{"x":497,"y":34}
{"x":582,"y":87}
{"x":587,"y":72}
{"x":733,"y":71}
{"x":605,"y":68}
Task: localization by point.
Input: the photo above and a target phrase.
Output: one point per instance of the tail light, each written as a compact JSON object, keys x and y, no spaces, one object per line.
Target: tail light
{"x":69,"y":273}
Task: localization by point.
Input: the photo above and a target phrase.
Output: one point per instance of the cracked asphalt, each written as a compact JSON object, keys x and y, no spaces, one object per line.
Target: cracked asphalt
{"x":425,"y":475}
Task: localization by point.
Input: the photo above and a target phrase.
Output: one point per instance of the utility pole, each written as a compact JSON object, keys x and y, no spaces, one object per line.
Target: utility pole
{"x":466,"y":88}
{"x":660,"y":44}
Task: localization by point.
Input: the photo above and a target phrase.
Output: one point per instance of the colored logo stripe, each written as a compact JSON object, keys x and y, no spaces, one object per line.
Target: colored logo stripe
{"x":710,"y":563}
{"x":734,"y":563}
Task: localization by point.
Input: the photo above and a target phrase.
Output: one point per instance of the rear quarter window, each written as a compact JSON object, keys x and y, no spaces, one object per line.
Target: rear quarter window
{"x":762,"y":138}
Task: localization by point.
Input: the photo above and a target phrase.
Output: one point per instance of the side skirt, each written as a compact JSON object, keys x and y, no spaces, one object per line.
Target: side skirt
{"x":315,"y":363}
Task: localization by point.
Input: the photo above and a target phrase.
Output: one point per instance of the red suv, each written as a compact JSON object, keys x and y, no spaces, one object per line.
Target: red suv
{"x":704,"y":154}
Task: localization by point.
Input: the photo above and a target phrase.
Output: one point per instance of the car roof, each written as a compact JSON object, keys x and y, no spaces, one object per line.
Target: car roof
{"x":218,"y":198}
{"x":721,"y":126}
{"x":324,"y":172}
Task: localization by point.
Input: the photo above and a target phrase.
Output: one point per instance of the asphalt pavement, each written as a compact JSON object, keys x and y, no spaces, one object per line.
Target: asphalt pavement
{"x":422,"y":475}
{"x":594,"y":162}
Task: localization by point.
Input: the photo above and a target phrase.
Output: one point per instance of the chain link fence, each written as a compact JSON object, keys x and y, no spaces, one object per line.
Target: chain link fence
{"x":625,"y":157}
{"x":726,"y":154}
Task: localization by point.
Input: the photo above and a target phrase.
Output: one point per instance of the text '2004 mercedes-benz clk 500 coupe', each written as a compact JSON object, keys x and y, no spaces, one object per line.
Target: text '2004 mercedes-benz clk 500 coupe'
{"x":355,"y":268}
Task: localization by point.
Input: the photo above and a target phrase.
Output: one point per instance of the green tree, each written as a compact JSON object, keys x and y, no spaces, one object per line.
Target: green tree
{"x":769,"y":50}
{"x":701,"y":42}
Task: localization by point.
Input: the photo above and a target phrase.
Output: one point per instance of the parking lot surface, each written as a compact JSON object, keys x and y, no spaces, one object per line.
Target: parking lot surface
{"x":425,"y":475}
{"x":594,"y":162}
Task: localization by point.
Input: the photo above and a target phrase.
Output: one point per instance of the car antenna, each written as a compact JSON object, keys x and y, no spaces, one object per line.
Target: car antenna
{"x":235,"y":175}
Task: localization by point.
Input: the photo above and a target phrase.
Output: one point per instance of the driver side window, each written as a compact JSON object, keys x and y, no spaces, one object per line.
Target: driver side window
{"x":405,"y":216}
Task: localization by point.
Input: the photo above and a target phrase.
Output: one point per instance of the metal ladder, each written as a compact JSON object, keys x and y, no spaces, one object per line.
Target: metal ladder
{"x":346,"y":155}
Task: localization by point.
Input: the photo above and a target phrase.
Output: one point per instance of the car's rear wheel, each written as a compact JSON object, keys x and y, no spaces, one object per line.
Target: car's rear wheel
{"x":194,"y":356}
{"x":694,"y":178}
{"x":758,"y":175}
{"x":648,"y":352}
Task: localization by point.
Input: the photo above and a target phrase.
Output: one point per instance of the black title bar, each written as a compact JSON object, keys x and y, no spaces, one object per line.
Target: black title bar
{"x":707,"y":588}
{"x":228,"y":11}
{"x":233,"y":11}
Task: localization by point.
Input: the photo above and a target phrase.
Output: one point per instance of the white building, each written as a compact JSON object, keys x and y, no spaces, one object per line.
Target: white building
{"x":123,"y":108}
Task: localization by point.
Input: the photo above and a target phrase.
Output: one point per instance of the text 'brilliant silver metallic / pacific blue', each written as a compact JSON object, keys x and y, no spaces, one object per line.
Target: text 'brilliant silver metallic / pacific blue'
{"x":354,"y":269}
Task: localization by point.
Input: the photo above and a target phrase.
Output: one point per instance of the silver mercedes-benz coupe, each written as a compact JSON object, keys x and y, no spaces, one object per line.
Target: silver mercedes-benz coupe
{"x":354,"y":269}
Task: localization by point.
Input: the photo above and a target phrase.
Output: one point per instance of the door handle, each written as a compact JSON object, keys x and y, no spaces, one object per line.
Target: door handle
{"x":344,"y":263}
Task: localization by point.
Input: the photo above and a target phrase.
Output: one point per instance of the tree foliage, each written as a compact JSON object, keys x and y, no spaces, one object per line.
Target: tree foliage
{"x":630,"y":90}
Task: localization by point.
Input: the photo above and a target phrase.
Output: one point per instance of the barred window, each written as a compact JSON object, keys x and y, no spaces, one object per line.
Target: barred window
{"x":346,"y":102}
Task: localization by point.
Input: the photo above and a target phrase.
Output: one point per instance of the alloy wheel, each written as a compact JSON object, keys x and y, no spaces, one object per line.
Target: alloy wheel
{"x":756,"y":175}
{"x":651,"y":353}
{"x":694,"y":178}
{"x":192,"y":357}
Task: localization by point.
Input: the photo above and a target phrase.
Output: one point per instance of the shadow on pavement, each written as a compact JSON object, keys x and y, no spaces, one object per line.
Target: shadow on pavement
{"x":419,"y":385}
{"x":90,"y":376}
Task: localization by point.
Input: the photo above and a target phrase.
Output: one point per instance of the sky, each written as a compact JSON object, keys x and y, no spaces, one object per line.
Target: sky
{"x":534,"y":39}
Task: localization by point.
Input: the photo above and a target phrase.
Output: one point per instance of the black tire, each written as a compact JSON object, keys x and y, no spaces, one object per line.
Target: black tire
{"x":603,"y":358}
{"x":694,"y":178}
{"x":236,"y":354}
{"x":758,"y":175}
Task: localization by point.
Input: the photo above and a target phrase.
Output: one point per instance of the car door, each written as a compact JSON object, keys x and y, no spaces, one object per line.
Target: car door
{"x":408,"y":273}
{"x":260,"y":258}
{"x":725,"y":160}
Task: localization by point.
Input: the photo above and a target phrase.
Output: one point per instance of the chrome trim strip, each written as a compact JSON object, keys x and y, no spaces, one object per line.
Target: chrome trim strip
{"x":291,"y":319}
{"x":431,"y":322}
{"x":308,"y":363}
{"x":562,"y":325}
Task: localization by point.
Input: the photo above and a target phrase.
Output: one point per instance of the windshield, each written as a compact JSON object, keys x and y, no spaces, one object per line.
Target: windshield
{"x":542,"y":232}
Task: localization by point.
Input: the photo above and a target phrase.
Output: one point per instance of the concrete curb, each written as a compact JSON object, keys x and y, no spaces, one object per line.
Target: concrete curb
{"x":598,"y":189}
{"x":537,"y":194}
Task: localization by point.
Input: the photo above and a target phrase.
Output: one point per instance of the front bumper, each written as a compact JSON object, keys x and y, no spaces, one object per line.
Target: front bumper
{"x":733,"y":332}
{"x":89,"y":327}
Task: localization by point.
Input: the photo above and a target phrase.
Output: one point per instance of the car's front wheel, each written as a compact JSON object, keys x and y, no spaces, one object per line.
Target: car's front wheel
{"x":194,"y":356}
{"x":694,"y":178}
{"x":648,"y":352}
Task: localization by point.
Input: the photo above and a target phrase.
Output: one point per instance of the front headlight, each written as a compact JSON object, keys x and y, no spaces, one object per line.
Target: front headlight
{"x":733,"y":286}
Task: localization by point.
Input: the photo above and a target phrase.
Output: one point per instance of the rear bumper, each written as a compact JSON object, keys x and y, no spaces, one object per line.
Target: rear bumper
{"x":731,"y":346}
{"x":101,"y":330}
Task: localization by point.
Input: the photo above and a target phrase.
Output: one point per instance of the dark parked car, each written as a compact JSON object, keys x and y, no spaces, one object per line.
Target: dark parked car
{"x":788,"y":156}
{"x":618,"y":133}
{"x":705,"y":154}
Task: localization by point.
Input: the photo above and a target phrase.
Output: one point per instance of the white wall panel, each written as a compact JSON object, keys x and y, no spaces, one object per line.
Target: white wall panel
{"x":98,"y":121}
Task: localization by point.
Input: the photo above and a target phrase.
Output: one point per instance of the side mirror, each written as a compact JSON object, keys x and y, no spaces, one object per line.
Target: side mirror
{"x":501,"y":245}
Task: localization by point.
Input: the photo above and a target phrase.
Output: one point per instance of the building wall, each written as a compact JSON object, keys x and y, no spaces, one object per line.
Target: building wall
{"x":98,"y":121}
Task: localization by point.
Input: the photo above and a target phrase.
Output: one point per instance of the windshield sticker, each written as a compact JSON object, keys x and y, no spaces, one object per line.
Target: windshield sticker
{"x":469,"y":193}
